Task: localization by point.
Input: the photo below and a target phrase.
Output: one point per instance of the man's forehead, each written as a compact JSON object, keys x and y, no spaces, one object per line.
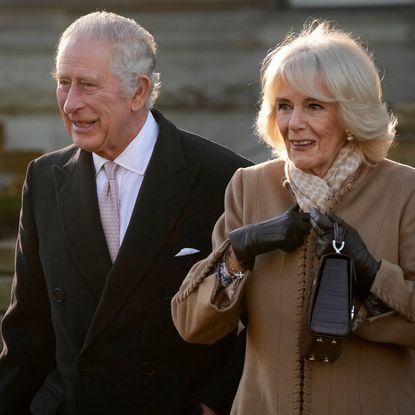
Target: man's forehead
{"x":83,"y":61}
{"x":85,"y":49}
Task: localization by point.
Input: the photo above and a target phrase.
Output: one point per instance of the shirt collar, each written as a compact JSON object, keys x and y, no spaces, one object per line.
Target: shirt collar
{"x":138,"y":153}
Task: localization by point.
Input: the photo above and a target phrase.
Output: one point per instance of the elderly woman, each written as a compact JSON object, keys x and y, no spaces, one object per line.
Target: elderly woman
{"x":322,"y":108}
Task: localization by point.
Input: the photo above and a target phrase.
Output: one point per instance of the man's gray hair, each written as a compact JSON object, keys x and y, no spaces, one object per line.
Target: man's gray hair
{"x":134,"y":51}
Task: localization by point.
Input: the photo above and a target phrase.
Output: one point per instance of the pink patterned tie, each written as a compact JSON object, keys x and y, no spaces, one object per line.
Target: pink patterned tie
{"x":109,"y":209}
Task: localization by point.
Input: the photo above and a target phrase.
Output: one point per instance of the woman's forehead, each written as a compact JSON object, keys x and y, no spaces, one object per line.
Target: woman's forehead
{"x":314,"y":88}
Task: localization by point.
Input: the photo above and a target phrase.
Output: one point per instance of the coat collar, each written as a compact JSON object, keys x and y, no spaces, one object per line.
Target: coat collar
{"x":164,"y":193}
{"x":80,"y":219}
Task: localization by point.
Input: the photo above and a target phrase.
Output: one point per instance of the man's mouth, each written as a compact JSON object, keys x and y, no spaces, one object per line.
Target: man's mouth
{"x":83,"y":124}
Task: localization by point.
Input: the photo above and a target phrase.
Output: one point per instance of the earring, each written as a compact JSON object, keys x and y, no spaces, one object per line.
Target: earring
{"x":350,"y":136}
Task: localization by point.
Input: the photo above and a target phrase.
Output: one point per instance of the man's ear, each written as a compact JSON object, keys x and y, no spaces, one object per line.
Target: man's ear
{"x":139,"y":99}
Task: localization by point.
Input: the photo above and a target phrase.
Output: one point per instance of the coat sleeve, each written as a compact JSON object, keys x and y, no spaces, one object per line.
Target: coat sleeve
{"x":198,"y":317}
{"x":394,"y":285}
{"x":28,"y":339}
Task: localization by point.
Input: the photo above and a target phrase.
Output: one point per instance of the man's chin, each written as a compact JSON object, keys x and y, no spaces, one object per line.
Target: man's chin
{"x":84,"y":143}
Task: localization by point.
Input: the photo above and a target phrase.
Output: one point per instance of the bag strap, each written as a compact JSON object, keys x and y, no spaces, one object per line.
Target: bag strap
{"x":338,"y":238}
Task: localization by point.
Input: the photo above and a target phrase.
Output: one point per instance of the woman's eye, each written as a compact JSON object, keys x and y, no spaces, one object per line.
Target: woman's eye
{"x":315,"y":106}
{"x":282,"y":106}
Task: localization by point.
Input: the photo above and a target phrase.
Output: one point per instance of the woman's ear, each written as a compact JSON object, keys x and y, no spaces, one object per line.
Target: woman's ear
{"x":140,"y":96}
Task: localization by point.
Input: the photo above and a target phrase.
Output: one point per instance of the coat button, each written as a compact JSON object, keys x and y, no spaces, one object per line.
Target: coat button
{"x":84,"y":364}
{"x":148,"y":368}
{"x":58,"y":295}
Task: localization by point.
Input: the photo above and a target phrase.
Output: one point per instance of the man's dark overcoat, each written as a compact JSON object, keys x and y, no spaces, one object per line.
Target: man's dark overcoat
{"x":84,"y":336}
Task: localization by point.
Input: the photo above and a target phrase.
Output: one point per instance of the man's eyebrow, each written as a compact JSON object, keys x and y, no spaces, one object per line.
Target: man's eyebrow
{"x":76,"y":78}
{"x":59,"y":75}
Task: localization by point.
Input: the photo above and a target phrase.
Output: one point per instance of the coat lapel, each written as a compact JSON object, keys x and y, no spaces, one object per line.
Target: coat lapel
{"x":80,"y":219}
{"x":163,"y":194}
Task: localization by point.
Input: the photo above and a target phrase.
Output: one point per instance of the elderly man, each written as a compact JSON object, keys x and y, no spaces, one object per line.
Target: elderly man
{"x":109,"y":227}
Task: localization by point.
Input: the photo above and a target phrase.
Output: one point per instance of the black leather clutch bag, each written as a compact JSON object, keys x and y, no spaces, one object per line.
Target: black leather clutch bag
{"x":330,"y":310}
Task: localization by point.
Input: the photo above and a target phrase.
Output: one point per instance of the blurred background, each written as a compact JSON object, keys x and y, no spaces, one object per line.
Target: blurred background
{"x":209,"y":58}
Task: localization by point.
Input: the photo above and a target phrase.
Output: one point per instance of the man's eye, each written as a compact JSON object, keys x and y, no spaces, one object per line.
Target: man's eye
{"x":87,"y":85}
{"x":63,"y":82}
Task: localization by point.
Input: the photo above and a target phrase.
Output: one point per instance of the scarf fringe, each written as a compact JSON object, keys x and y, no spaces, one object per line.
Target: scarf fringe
{"x":312,"y":191}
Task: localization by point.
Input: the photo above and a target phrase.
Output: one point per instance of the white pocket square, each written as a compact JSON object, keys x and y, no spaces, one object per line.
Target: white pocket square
{"x":187,"y":251}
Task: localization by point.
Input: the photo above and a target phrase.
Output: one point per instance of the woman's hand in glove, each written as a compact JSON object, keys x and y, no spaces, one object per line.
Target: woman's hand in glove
{"x":365,"y":265}
{"x":285,"y":232}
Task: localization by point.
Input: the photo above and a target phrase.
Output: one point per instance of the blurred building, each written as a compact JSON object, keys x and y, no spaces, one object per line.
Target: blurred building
{"x":209,"y":58}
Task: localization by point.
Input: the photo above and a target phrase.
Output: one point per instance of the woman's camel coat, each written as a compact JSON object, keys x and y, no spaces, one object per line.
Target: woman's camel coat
{"x":375,"y":374}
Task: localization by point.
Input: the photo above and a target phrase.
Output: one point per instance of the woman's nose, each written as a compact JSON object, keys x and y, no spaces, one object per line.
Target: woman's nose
{"x":297,"y":120}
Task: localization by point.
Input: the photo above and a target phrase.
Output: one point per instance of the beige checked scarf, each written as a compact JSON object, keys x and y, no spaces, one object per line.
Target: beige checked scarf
{"x":313,"y":191}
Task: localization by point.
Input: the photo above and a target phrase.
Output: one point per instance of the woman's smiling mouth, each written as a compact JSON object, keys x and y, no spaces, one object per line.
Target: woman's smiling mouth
{"x":302,"y":143}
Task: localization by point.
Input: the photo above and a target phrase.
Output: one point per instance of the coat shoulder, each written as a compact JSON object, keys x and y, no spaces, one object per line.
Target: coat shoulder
{"x":204,"y":151}
{"x":393,"y":175}
{"x":267,"y":172}
{"x":57,"y":157}
{"x":397,"y":169}
{"x":199,"y":149}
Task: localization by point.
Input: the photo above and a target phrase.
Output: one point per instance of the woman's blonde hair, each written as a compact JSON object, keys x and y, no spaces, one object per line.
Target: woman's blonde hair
{"x":322,"y":53}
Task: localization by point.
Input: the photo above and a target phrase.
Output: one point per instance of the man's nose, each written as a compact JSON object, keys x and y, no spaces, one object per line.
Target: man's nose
{"x":74,"y":100}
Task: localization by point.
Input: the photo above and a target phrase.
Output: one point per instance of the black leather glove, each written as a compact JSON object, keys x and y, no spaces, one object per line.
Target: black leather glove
{"x":365,"y":265}
{"x":285,"y":232}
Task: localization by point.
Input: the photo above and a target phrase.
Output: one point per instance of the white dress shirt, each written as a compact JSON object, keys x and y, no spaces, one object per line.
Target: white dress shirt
{"x":133,"y":162}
